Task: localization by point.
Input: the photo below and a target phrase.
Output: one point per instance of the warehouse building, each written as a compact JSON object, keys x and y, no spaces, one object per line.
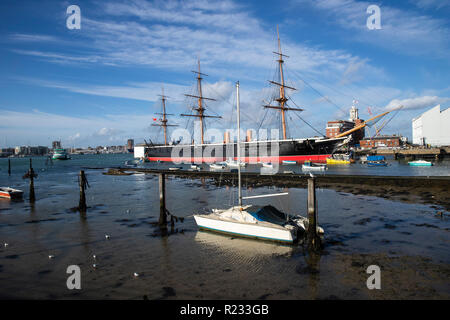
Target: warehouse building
{"x":432,"y":128}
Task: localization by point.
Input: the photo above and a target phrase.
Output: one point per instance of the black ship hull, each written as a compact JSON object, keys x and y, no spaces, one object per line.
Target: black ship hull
{"x":276,"y":151}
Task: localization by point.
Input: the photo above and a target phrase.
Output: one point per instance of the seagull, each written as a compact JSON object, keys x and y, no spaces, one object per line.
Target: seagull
{"x":94,"y":256}
{"x":107,"y":236}
{"x":51,"y":256}
{"x":128,"y":210}
{"x":6,"y":244}
{"x":94,"y":266}
{"x":136,"y":274}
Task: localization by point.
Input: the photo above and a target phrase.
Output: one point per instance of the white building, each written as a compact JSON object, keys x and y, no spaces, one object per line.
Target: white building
{"x":432,"y":127}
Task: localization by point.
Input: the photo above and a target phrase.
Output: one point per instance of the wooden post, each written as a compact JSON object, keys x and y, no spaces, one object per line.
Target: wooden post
{"x":313,"y":239}
{"x":9,"y":167}
{"x":162,"y":200}
{"x":83,"y":182}
{"x":32,"y":195}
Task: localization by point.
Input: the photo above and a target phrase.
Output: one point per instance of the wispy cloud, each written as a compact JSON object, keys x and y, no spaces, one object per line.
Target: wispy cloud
{"x":417,"y":102}
{"x":404,"y":31}
{"x":170,"y":35}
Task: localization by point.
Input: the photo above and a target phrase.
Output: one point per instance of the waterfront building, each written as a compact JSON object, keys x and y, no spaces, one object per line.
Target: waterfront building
{"x":338,"y":126}
{"x":389,"y":141}
{"x":6,"y":152}
{"x":432,"y":127}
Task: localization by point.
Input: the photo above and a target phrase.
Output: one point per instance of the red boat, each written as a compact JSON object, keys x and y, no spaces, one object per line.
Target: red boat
{"x":10,"y":193}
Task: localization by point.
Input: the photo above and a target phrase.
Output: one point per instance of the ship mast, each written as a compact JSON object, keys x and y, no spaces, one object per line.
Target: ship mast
{"x":163,"y":121}
{"x":282,"y":106}
{"x":200,"y":104}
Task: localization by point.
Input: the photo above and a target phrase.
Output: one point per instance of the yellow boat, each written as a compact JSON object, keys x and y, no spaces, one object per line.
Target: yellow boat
{"x":337,"y":161}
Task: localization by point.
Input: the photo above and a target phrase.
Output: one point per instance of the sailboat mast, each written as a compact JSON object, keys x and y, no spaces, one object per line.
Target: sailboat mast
{"x":238,"y":144}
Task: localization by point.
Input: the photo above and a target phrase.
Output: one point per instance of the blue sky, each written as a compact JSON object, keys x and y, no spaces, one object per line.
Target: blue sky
{"x":99,"y":85}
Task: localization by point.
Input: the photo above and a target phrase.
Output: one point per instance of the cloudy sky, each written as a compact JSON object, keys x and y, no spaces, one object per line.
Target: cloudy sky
{"x":99,"y":85}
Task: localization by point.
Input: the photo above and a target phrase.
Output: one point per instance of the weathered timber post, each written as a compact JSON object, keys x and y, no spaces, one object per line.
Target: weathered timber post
{"x":313,"y":238}
{"x":162,"y":200}
{"x":83,"y":184}
{"x":9,"y":167}
{"x":32,"y":175}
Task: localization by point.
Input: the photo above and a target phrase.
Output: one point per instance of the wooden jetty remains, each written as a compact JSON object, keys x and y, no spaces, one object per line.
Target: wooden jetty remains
{"x":436,"y":153}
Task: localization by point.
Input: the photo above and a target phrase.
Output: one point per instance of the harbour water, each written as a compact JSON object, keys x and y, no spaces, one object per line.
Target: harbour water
{"x":409,"y":241}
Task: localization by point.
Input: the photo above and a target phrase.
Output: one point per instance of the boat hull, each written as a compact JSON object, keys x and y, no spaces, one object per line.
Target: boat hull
{"x":246,"y":230}
{"x":299,"y":151}
{"x":16,"y":194}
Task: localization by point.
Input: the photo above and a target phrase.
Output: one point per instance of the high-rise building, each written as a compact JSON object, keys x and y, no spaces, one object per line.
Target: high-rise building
{"x":130,"y":145}
{"x":56,"y":144}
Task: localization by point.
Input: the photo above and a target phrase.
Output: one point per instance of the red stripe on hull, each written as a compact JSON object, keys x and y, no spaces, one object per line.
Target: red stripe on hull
{"x":254,"y":160}
{"x":5,"y":195}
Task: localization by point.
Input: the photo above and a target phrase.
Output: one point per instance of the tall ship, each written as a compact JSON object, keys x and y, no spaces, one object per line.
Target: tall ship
{"x":316,"y":149}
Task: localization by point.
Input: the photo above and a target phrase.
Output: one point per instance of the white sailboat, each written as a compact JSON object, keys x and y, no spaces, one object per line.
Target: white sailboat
{"x":261,"y":222}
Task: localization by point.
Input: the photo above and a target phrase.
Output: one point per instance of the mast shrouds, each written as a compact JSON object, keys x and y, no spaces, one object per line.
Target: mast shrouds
{"x":200,"y":109}
{"x":163,"y":121}
{"x":282,"y":100}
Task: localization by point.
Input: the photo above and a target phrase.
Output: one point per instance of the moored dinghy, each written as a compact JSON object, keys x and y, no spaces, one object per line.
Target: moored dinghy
{"x":309,"y":166}
{"x":10,"y":193}
{"x":421,"y":163}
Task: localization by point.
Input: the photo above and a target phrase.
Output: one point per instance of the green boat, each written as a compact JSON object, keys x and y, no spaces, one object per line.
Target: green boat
{"x":60,"y":154}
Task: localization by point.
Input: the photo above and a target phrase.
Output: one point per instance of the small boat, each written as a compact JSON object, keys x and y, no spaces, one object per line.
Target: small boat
{"x":234,"y":164}
{"x":376,"y":161}
{"x":337,"y":161}
{"x":60,"y":154}
{"x":175,"y":168}
{"x":267,"y":164}
{"x":421,"y":163}
{"x":131,"y":163}
{"x":10,"y":193}
{"x":289,"y":162}
{"x":195,"y":167}
{"x":377,"y":164}
{"x":309,"y":166}
{"x":288,"y":171}
{"x":217,"y":166}
{"x":260,"y":222}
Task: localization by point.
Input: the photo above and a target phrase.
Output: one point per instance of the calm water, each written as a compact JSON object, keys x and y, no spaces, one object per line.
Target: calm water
{"x":409,"y":241}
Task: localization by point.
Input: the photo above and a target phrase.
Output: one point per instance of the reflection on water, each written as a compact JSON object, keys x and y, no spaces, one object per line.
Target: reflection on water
{"x":240,"y":246}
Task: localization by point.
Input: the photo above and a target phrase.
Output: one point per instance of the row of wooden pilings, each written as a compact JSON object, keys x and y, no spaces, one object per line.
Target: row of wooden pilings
{"x":312,"y":237}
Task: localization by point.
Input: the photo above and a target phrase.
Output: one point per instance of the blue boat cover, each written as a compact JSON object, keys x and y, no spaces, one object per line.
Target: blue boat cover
{"x":268,"y":214}
{"x":376,"y":158}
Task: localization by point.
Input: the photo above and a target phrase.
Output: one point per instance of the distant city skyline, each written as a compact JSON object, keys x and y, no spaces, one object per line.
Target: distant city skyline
{"x":99,"y":85}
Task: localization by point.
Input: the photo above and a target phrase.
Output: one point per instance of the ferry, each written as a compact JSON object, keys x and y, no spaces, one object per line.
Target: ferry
{"x":60,"y":154}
